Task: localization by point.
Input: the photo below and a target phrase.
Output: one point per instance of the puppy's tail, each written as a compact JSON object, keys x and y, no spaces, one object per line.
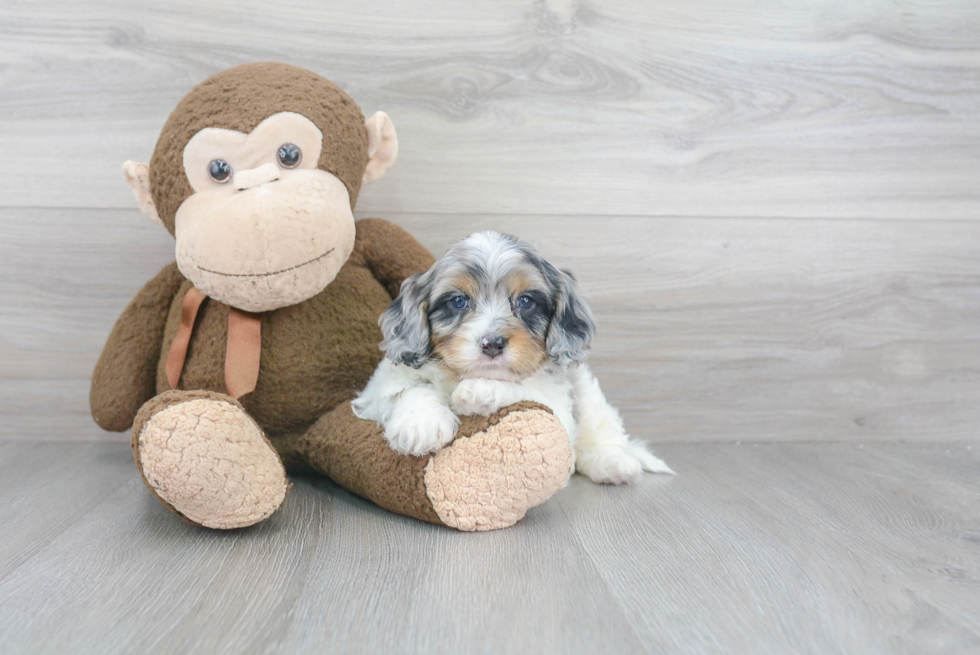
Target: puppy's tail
{"x":648,"y":460}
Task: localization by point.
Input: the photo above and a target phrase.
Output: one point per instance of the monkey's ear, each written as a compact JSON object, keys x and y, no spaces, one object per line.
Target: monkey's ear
{"x":382,"y":146}
{"x":138,"y":177}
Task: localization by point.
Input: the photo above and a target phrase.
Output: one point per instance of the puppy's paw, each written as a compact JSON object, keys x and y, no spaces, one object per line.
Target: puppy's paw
{"x":421,"y":427}
{"x":480,"y":396}
{"x":618,"y":464}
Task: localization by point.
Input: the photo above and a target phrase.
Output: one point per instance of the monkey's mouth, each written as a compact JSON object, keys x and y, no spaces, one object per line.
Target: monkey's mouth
{"x":284,"y":270}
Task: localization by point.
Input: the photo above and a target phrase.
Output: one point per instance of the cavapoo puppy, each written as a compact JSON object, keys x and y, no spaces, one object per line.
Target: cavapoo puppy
{"x":491,"y":324}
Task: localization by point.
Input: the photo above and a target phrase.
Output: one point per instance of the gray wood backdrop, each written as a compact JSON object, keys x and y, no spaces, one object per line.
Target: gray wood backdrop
{"x":775,"y":210}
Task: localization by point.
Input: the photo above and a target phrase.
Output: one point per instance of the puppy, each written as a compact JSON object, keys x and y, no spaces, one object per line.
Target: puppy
{"x":491,"y":324}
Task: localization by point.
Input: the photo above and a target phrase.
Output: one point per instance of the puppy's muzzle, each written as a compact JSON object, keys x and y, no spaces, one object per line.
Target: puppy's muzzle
{"x":492,"y":346}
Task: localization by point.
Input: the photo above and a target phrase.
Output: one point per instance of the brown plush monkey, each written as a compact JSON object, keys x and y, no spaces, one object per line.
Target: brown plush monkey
{"x":239,"y":360}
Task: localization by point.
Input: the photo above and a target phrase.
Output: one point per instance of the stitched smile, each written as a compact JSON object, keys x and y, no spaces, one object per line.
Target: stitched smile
{"x":291,"y":268}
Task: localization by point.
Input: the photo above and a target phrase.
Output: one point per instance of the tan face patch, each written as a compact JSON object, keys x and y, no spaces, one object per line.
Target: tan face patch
{"x":525,"y":352}
{"x":450,"y":346}
{"x":520,"y":281}
{"x":451,"y":349}
{"x":464,"y":283}
{"x":523,"y":355}
{"x":460,"y":282}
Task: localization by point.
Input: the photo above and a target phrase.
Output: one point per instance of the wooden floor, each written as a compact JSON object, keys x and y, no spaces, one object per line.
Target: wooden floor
{"x":775,"y":212}
{"x":752,"y":548}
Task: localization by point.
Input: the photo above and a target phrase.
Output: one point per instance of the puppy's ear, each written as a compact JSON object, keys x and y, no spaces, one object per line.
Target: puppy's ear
{"x":572,"y":326}
{"x":405,"y":324}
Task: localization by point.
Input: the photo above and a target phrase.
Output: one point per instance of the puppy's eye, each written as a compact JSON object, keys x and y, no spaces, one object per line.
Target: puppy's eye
{"x":459,"y":302}
{"x":220,"y":170}
{"x":525,"y":302}
{"x":289,"y":155}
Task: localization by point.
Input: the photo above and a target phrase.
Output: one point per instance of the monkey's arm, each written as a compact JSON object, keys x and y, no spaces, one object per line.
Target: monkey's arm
{"x":390,"y":252}
{"x":125,"y":376}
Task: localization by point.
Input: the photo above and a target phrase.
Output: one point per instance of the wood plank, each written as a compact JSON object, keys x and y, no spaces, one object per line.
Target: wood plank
{"x":803,"y":548}
{"x":65,"y":276}
{"x":328,"y":573}
{"x":718,"y":330}
{"x":744,"y":330}
{"x":50,"y":409}
{"x":47,"y":487}
{"x":519,"y":106}
{"x":811,"y":548}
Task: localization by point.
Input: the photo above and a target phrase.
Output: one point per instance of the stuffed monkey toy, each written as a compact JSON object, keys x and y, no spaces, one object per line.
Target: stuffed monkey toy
{"x":238,"y":361}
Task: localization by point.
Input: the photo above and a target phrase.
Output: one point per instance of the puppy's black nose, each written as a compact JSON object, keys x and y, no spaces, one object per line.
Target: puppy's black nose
{"x":492,"y":346}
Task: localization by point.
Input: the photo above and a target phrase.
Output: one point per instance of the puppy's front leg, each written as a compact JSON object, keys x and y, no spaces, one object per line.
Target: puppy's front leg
{"x":420,"y":421}
{"x":484,"y":397}
{"x":604,"y":452}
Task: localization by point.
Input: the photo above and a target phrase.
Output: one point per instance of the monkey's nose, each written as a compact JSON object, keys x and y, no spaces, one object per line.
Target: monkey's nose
{"x":255,"y":176}
{"x":492,"y":346}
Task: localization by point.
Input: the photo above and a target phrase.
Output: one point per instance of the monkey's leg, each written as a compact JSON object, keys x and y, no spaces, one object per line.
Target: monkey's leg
{"x":207,"y":460}
{"x":497,"y":468}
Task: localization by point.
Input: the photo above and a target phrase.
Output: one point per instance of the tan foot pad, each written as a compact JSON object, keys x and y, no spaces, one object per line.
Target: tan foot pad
{"x":211,"y":463}
{"x":489,"y":480}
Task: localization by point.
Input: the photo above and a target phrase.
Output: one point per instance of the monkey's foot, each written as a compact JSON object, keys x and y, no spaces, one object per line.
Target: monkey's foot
{"x":509,"y":463}
{"x":207,"y":460}
{"x":497,"y":468}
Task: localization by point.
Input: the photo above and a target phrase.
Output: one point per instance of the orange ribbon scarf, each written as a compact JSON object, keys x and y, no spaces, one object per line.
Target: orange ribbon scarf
{"x":242,"y":355}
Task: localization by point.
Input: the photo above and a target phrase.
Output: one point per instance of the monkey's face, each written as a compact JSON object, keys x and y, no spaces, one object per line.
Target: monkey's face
{"x":256,"y":173}
{"x":265,"y":228}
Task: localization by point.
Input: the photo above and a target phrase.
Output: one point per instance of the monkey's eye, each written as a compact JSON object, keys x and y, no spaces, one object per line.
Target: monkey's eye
{"x":525,"y":302}
{"x":220,"y":170}
{"x":459,"y":302}
{"x":289,"y":155}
